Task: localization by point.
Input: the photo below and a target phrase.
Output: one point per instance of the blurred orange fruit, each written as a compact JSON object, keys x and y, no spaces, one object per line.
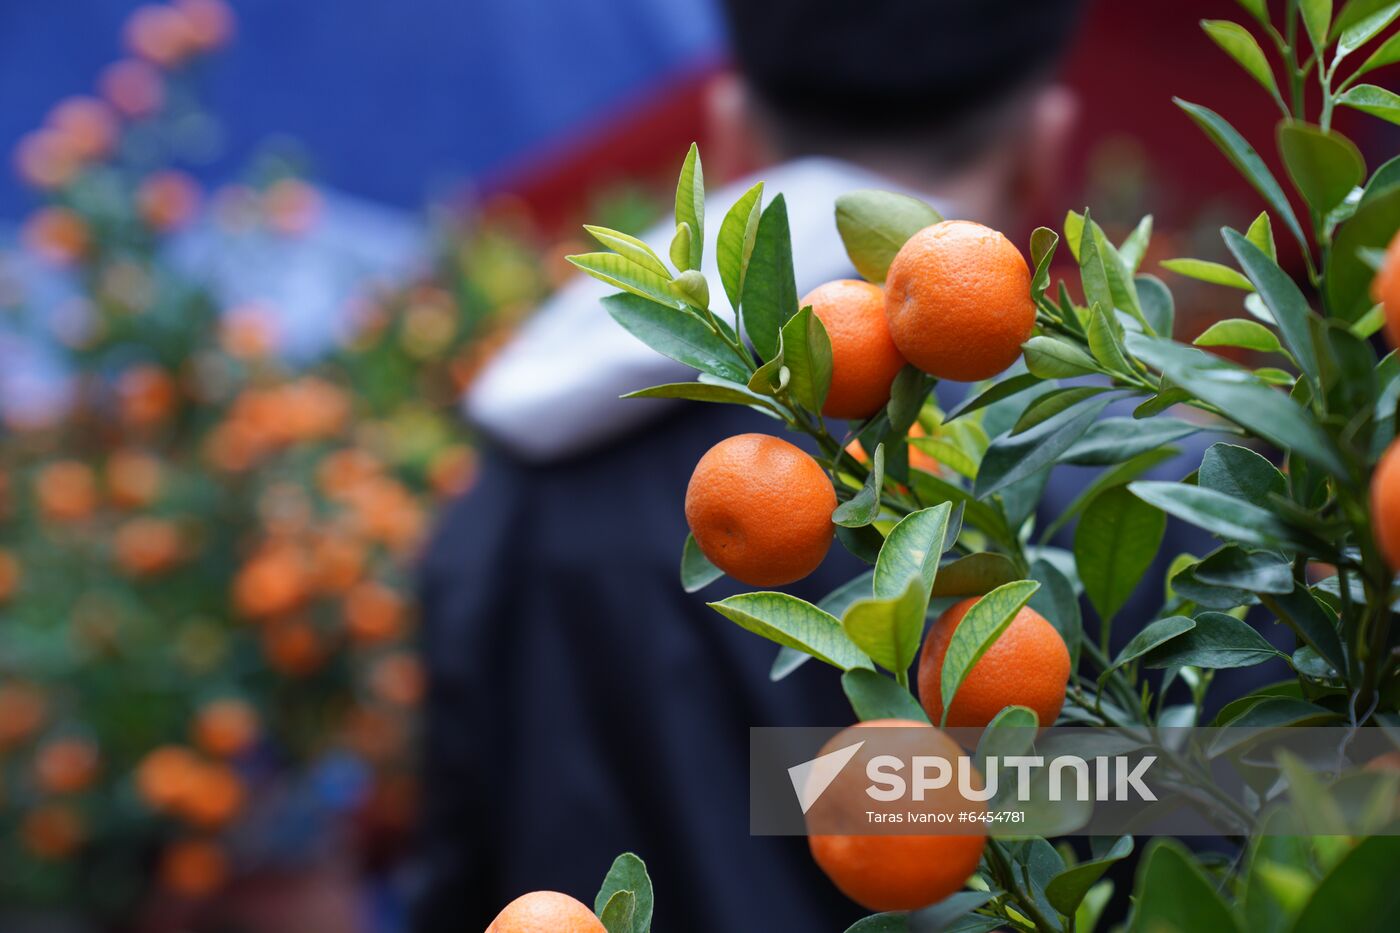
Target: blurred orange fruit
{"x":342,"y":472}
{"x":66,"y":490}
{"x":546,"y":912}
{"x":293,"y":647}
{"x":22,"y":711}
{"x":160,"y":34}
{"x":338,"y":561}
{"x":398,"y":679}
{"x":56,"y":234}
{"x":166,"y":776}
{"x":1385,"y":289}
{"x":918,"y":459}
{"x":373,"y":612}
{"x":43,"y":160}
{"x":167,"y":200}
{"x":133,"y":87}
{"x":133,"y":478}
{"x":1028,"y":665}
{"x":146,"y":395}
{"x":214,"y":796}
{"x":9,"y":575}
{"x":210,"y":22}
{"x":147,"y":546}
{"x":53,"y":831}
{"x":291,"y":206}
{"x":194,"y":868}
{"x":1385,"y":504}
{"x":65,"y":766}
{"x":864,"y":360}
{"x":760,"y":509}
{"x":452,"y":471}
{"x":87,"y":126}
{"x":226,"y":728}
{"x":249,"y":332}
{"x":958,"y":301}
{"x":275,"y":581}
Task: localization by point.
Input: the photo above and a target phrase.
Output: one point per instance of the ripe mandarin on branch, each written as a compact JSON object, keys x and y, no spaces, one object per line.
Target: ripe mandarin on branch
{"x":892,"y":871}
{"x":1385,"y":289}
{"x":546,"y":912}
{"x":958,"y":301}
{"x":1385,"y":505}
{"x":760,"y":509}
{"x":1027,"y":666}
{"x":864,"y":360}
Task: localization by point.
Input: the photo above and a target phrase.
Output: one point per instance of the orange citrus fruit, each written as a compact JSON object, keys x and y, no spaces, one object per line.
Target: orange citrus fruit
{"x":53,"y":831}
{"x":891,"y":871}
{"x":226,"y":728}
{"x":1027,"y":666}
{"x":760,"y":509}
{"x":10,"y":574}
{"x":193,"y":868}
{"x":958,"y":301}
{"x":864,"y":360}
{"x":546,"y":912}
{"x":1385,"y":290}
{"x":65,"y":766}
{"x":1385,"y":504}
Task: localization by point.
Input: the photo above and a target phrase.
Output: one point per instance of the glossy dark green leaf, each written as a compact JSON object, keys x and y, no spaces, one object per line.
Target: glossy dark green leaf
{"x":1002,"y":389}
{"x":1114,"y":440}
{"x":1239,"y":44}
{"x":737,"y":233}
{"x":628,"y":873}
{"x":1242,"y":155}
{"x":874,"y":224}
{"x":1324,"y":165}
{"x":1255,"y":571}
{"x":984,"y":517}
{"x":1157,"y":305}
{"x":864,"y":506}
{"x":1282,"y":297}
{"x":974,"y":574}
{"x":690,"y":203}
{"x":1240,"y":472}
{"x":770,"y":289}
{"x":1119,"y":475}
{"x":682,"y":336}
{"x":807,"y":355}
{"x":1152,"y":635}
{"x":977,"y":632}
{"x":1067,"y":889}
{"x":1175,"y":894}
{"x":1347,"y":282}
{"x":1315,"y":624}
{"x":1050,"y":404}
{"x":701,"y":392}
{"x":1050,"y":358}
{"x":1116,"y":539}
{"x":1216,"y":641}
{"x":1359,"y":894}
{"x":1057,"y":601}
{"x":1013,"y":457}
{"x":1011,"y":732}
{"x":1234,"y":519}
{"x":875,"y":696}
{"x":795,"y":623}
{"x":696,"y":570}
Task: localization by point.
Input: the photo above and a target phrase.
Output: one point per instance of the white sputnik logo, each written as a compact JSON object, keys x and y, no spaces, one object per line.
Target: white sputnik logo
{"x":811,"y":778}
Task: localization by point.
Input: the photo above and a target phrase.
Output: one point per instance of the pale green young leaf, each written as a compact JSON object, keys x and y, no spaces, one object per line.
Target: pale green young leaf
{"x":1153,"y":634}
{"x":874,"y":224}
{"x":1105,"y":343}
{"x":623,"y":273}
{"x":1074,"y":231}
{"x":1364,"y":30}
{"x":696,"y":570}
{"x":737,"y":233}
{"x":1317,"y":20}
{"x":1134,"y":248}
{"x":1043,"y":243}
{"x":690,"y":203}
{"x":619,"y":913}
{"x":631,"y":247}
{"x":1259,"y":9}
{"x":1051,"y":358}
{"x":1238,"y":332}
{"x":1013,"y":457}
{"x":1203,"y":270}
{"x":1239,"y":44}
{"x":1376,"y":101}
{"x":807,"y":355}
{"x":978,"y":631}
{"x":628,"y":873}
{"x":1388,"y":53}
{"x":912,"y":550}
{"x":888,"y":629}
{"x":680,"y":247}
{"x":1281,"y":295}
{"x":875,"y":696}
{"x":795,"y":623}
{"x":1261,"y":234}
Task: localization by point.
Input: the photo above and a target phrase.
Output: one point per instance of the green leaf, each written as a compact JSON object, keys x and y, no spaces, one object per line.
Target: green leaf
{"x":1057,"y":601}
{"x":1134,"y":248}
{"x":974,"y":575}
{"x":770,"y":290}
{"x":696,"y":570}
{"x":1234,"y":519}
{"x":1157,"y":305}
{"x":1074,"y":232}
{"x":1052,"y":403}
{"x":737,"y":233}
{"x":795,"y":623}
{"x":881,"y":923}
{"x":702,"y":392}
{"x":693,"y":288}
{"x":1376,"y":101}
{"x":1359,"y":894}
{"x":1119,"y":475}
{"x":1242,"y":473}
{"x":1317,"y":19}
{"x":1049,"y":358}
{"x":1002,"y":389}
{"x":1315,"y":624}
{"x":911,"y":551}
{"x":1259,"y":9}
{"x":628,"y":873}
{"x":1347,"y":281}
{"x":1117,"y":538}
{"x":1113,"y":440}
{"x":1239,"y":332}
{"x":690,"y":204}
{"x":1105,"y":343}
{"x":807,"y":355}
{"x":680,"y":248}
{"x":888,"y":629}
{"x":623,"y":273}
{"x":682,"y":337}
{"x":630,"y":247}
{"x":1324,"y":166}
{"x":862,"y":508}
{"x":1242,"y":155}
{"x":619,"y":914}
{"x":978,"y":631}
{"x":1242,"y":397}
{"x":1239,"y":44}
{"x":1011,"y":732}
{"x":875,"y":224}
{"x":1357,"y":34}
{"x":1282,"y":297}
{"x":1013,"y":457}
{"x":1216,"y":641}
{"x":1387,"y":54}
{"x":875,"y":696}
{"x":1261,"y":234}
{"x":1108,"y":282}
{"x":1153,"y":634}
{"x":1255,"y":571}
{"x":1174,"y":894}
{"x":1043,"y":243}
{"x":1067,"y":889}
{"x":1205,"y":271}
